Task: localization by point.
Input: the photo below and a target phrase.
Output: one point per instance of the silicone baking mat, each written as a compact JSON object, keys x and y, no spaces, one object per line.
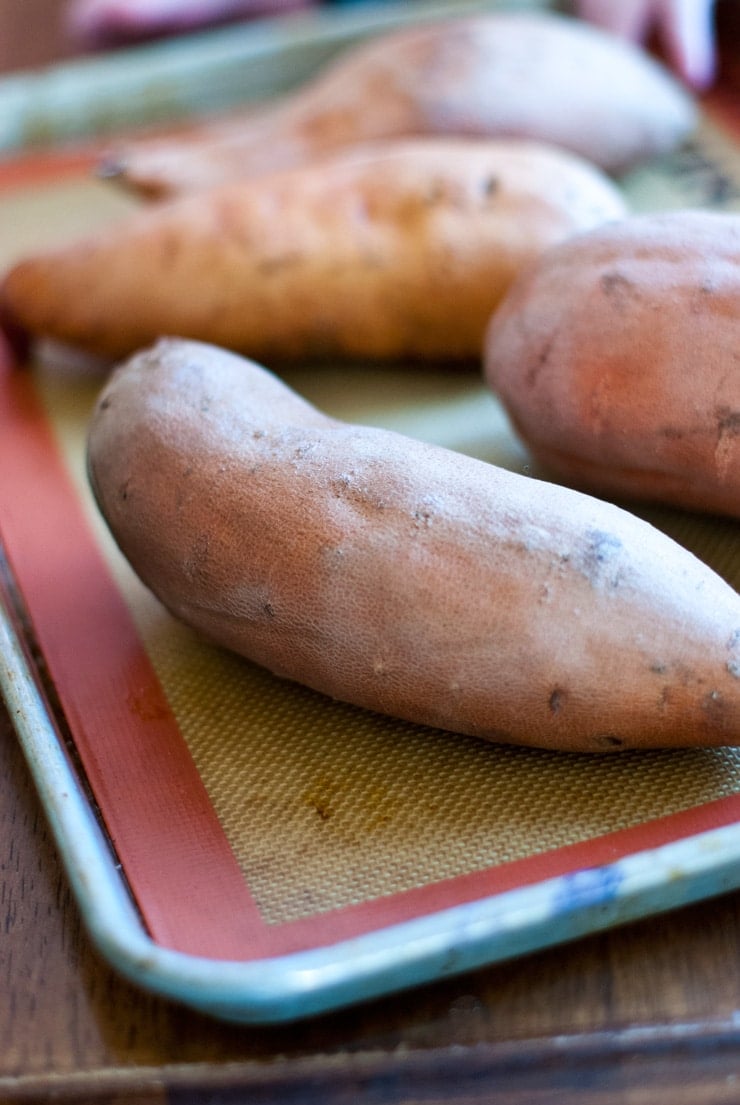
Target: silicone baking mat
{"x":251,"y":821}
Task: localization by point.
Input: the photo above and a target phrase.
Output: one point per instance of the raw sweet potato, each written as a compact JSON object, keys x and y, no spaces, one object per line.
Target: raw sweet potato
{"x":404,"y":577}
{"x":617,"y":358}
{"x":534,"y":75}
{"x":402,"y":251}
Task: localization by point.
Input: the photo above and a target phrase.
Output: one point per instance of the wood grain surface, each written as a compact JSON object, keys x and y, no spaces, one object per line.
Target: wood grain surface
{"x":646,"y":1013}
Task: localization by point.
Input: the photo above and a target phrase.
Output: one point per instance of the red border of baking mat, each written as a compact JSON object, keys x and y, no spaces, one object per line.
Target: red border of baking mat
{"x":175,"y":856}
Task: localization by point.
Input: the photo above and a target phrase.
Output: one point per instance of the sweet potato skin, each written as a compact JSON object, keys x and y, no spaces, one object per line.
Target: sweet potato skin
{"x":616,"y":357}
{"x":537,"y":76}
{"x":402,"y":251}
{"x":403,"y":577}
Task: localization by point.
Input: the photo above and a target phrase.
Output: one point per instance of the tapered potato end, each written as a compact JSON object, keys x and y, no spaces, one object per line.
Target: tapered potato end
{"x":15,"y":339}
{"x":47,"y":296}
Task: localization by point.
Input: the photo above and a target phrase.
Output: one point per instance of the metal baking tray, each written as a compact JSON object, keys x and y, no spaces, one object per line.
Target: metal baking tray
{"x":354,"y":856}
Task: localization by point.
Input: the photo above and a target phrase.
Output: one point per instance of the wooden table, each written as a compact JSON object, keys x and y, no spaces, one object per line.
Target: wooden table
{"x":646,"y":1013}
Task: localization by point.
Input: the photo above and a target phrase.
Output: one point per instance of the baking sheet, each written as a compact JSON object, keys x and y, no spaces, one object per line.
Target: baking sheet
{"x":248,"y":847}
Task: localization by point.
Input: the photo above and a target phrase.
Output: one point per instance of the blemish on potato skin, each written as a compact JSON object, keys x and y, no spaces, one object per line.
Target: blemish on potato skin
{"x":607,"y":741}
{"x":672,"y":433}
{"x":618,"y":289}
{"x":304,"y":450}
{"x":728,"y":421}
{"x":347,"y":487}
{"x":342,"y":483}
{"x":557,"y":700}
{"x":599,"y":558}
{"x":681,"y":675}
{"x":701,"y":295}
{"x":491,"y":185}
{"x":534,"y":370}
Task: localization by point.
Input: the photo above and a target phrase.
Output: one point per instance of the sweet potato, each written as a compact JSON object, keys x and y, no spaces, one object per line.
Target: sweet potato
{"x":616,"y":357}
{"x":404,"y":577}
{"x":538,"y":76}
{"x":402,"y":251}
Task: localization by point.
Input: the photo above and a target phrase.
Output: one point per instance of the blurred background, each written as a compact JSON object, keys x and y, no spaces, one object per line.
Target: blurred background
{"x":35,"y":32}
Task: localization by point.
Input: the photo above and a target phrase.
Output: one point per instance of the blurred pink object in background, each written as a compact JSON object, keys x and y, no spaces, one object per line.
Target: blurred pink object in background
{"x":100,"y":23}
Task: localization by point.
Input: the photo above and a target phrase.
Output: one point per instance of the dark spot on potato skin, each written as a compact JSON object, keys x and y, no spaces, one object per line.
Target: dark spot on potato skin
{"x":728,"y":421}
{"x":556,"y":700}
{"x":699,"y":301}
{"x":357,"y":492}
{"x":534,"y":370}
{"x":609,"y":741}
{"x":599,"y":557}
{"x":490,"y":186}
{"x":672,"y":433}
{"x":422,"y":518}
{"x":618,"y":289}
